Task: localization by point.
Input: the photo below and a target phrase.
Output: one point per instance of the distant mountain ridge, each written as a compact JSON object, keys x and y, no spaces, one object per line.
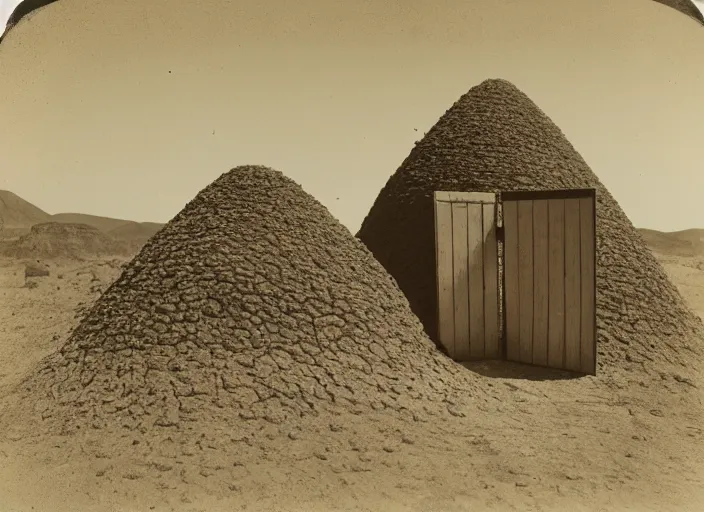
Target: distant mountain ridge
{"x":688,"y":242}
{"x":28,"y":231}
{"x":19,"y":215}
{"x":50,"y":240}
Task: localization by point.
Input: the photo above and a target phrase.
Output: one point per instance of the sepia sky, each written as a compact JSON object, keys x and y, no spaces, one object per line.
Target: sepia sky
{"x":127,"y":109}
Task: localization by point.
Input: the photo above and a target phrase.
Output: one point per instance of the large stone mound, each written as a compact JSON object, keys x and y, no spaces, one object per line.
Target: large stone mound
{"x":253,"y":303}
{"x":495,"y":138}
{"x":51,"y":240}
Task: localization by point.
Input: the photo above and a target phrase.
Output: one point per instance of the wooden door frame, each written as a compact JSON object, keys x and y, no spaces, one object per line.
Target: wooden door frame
{"x":481,"y":198}
{"x":498,"y":199}
{"x":536,"y":195}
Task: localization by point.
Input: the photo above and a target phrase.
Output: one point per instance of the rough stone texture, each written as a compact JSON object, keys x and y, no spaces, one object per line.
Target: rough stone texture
{"x":64,"y":240}
{"x":495,"y":138}
{"x":686,"y":7}
{"x":253,"y":303}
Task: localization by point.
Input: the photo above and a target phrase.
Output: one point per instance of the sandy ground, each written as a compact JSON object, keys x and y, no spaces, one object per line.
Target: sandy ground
{"x":688,"y":274}
{"x":34,"y":321}
{"x":619,"y":442}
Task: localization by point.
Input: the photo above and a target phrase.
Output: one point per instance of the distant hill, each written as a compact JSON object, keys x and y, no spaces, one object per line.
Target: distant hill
{"x":102,"y":235}
{"x":689,"y":242}
{"x":135,"y":234}
{"x":50,"y":240}
{"x":130,"y":230}
{"x":18,"y":213}
{"x":104,"y":224}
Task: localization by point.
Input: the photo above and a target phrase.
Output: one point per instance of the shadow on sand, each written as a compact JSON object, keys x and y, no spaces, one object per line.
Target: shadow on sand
{"x":510,"y":370}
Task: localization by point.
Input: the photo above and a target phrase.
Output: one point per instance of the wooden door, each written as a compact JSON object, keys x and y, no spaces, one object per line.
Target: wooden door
{"x":550,"y":278}
{"x":467,"y":275}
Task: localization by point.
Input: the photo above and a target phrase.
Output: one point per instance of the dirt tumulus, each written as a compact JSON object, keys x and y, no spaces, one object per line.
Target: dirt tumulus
{"x":252,"y":305}
{"x":494,"y":138}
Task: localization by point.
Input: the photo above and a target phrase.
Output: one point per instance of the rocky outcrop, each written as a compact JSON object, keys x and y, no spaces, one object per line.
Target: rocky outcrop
{"x":35,"y":269}
{"x":51,"y":240}
{"x":494,"y":138}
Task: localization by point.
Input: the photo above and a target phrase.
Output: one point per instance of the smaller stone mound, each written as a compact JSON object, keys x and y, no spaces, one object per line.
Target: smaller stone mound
{"x":35,"y":270}
{"x":252,"y":305}
{"x":53,"y":240}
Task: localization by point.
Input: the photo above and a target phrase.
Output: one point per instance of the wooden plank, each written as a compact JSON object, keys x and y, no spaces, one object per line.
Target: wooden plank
{"x":512,"y":317}
{"x":540,"y":282}
{"x":492,"y":349}
{"x":535,"y":195}
{"x":475,"y":247}
{"x":460,"y":266}
{"x":525,"y":279}
{"x":588,"y":303}
{"x":573,"y":292}
{"x":466,"y":197}
{"x":556,"y":283}
{"x":445,"y":283}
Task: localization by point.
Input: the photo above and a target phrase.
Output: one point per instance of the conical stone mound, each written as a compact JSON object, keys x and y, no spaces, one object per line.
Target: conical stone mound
{"x":494,"y":138}
{"x":252,"y":304}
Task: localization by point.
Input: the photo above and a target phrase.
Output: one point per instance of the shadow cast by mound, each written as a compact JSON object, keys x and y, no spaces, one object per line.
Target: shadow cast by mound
{"x":510,"y":370}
